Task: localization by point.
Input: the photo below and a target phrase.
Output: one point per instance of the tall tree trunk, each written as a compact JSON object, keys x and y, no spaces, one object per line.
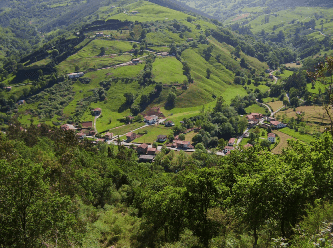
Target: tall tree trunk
{"x":255,"y":235}
{"x":282,"y":228}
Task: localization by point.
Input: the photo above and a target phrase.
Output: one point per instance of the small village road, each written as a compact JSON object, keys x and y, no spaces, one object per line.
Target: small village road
{"x":239,"y":140}
{"x":263,"y":104}
{"x":95,"y":120}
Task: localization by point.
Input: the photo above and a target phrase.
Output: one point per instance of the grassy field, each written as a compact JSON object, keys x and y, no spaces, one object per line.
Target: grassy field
{"x":255,"y":108}
{"x":284,"y":75}
{"x":88,"y":57}
{"x":283,"y":142}
{"x":312,"y":113}
{"x":152,"y":133}
{"x":189,"y":136}
{"x":293,"y":65}
{"x":203,"y":89}
{"x":111,"y":47}
{"x":68,"y":66}
{"x":148,"y":12}
{"x":275,"y":105}
{"x":318,"y":87}
{"x":173,"y":68}
{"x":127,"y":128}
{"x":302,"y":137}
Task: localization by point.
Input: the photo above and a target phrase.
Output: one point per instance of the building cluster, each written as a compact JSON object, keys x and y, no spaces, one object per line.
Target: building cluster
{"x":75,"y":75}
{"x":255,"y":118}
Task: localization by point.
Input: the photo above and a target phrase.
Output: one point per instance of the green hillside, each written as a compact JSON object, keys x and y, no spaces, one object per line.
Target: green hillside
{"x":109,"y":77}
{"x":304,"y":26}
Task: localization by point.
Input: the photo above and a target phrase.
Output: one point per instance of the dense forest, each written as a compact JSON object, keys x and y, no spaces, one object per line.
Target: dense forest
{"x":56,"y":191}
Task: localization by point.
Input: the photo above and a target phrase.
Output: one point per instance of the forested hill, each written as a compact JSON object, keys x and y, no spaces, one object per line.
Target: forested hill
{"x":224,"y":9}
{"x":25,"y":25}
{"x":46,"y":15}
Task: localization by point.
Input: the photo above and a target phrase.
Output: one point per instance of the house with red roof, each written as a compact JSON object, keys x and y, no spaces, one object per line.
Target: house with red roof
{"x":87,"y":124}
{"x":228,"y":149}
{"x":97,"y":111}
{"x":66,"y":127}
{"x":81,"y":135}
{"x":277,"y":124}
{"x":151,"y":119}
{"x":232,"y":142}
{"x":247,"y":146}
{"x":151,"y":151}
{"x":130,"y":136}
{"x":161,"y":138}
{"x":108,"y":136}
{"x":254,"y":117}
{"x":182,"y":144}
{"x":142,"y":149}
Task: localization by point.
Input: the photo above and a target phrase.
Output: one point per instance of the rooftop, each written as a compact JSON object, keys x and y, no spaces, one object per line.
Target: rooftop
{"x":275,"y":123}
{"x":144,"y":146}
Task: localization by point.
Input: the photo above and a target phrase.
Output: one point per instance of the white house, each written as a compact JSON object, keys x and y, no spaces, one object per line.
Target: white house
{"x":271,"y":137}
{"x":75,"y":75}
{"x":162,"y":138}
{"x":151,"y":119}
{"x":228,"y":149}
{"x":277,"y":124}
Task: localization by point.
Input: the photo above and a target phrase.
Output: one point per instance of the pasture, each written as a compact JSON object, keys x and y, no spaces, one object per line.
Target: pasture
{"x":168,"y":70}
{"x":314,"y":114}
{"x":255,"y":108}
{"x":283,"y":142}
{"x":152,"y":133}
{"x":275,"y":105}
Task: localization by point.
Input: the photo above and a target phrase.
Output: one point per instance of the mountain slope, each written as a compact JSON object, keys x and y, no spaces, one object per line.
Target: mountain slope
{"x":199,"y":68}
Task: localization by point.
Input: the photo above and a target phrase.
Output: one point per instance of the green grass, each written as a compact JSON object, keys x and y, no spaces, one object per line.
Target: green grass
{"x":152,"y":133}
{"x":203,"y":89}
{"x":111,"y":47}
{"x":284,"y":75}
{"x":125,"y":129}
{"x":168,"y":70}
{"x":262,"y":87}
{"x":88,"y":57}
{"x":163,"y":37}
{"x":318,"y":85}
{"x":148,"y":12}
{"x":160,"y":48}
{"x":189,"y":136}
{"x":40,"y":63}
{"x":302,"y":137}
{"x":255,"y":108}
{"x":244,"y":141}
{"x":68,"y":66}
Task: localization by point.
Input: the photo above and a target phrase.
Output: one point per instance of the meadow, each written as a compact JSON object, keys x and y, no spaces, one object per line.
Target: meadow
{"x":255,"y":108}
{"x":283,"y":142}
{"x":152,"y":133}
{"x":275,"y":105}
{"x":312,"y":114}
{"x":302,"y":137}
{"x":172,"y":66}
{"x":148,"y":12}
{"x":122,"y":130}
{"x":69,"y":65}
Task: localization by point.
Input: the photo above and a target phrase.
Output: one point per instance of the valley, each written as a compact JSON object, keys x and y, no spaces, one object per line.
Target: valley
{"x":166,"y":123}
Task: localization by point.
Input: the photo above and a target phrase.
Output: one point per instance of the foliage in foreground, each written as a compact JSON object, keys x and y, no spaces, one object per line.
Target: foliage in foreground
{"x":56,"y":191}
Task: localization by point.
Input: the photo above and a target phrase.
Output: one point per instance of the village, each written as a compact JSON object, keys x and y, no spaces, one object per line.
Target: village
{"x":147,"y":151}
